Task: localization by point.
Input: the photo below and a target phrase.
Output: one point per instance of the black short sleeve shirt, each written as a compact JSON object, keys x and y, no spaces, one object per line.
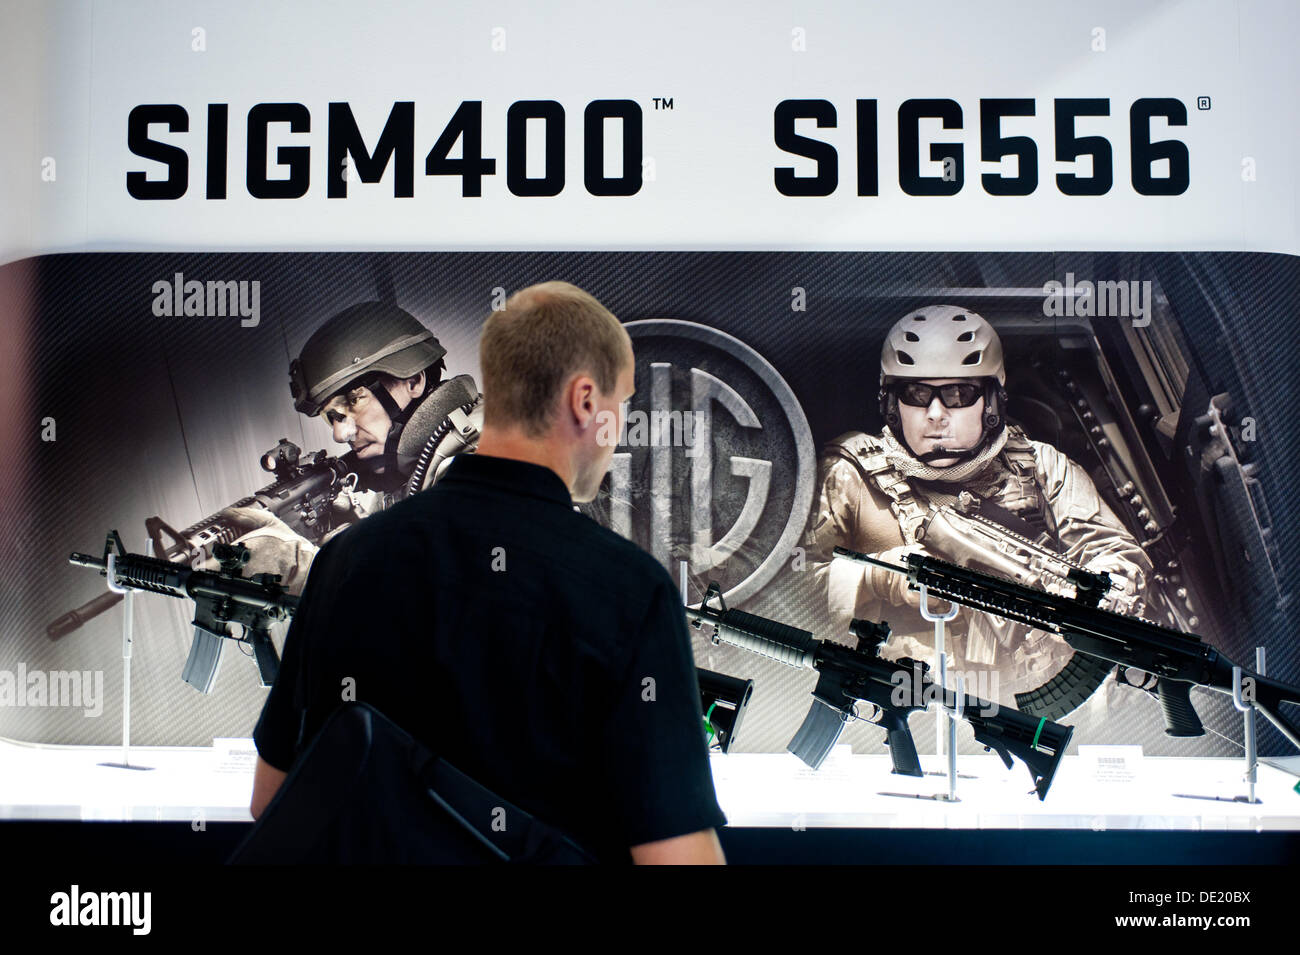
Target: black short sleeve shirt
{"x":537,"y":651}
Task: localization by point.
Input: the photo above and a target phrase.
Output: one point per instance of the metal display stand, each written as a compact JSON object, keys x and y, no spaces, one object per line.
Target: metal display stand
{"x":1247,"y":709}
{"x":946,"y":721}
{"x":128,"y":618}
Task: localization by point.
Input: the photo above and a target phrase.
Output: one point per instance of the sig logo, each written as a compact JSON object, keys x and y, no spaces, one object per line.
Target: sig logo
{"x":731,"y":499}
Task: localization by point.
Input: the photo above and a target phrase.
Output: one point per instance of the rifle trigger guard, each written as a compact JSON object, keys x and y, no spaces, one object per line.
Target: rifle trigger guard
{"x":1149,"y":680}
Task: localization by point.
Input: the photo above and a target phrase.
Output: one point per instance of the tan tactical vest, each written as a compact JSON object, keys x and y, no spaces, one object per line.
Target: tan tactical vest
{"x":1016,"y":470}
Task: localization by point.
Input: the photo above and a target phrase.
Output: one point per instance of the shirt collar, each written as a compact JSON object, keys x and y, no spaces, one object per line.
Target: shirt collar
{"x":521,"y":477}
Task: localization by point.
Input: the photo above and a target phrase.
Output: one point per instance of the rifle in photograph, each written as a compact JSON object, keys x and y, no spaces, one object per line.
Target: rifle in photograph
{"x":301,"y":495}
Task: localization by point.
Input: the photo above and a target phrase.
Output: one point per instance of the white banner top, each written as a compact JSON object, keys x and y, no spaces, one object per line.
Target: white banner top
{"x":761,"y":125}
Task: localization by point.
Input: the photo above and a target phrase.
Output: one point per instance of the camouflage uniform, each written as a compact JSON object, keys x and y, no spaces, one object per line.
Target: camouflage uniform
{"x":866,"y":505}
{"x":356,"y":347}
{"x":876,"y":493}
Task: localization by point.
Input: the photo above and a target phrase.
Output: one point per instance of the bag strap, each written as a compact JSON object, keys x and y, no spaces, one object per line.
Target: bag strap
{"x":522,"y":838}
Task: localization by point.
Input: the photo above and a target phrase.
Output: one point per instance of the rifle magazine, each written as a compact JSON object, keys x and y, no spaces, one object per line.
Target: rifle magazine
{"x":1068,"y":690}
{"x":819,"y":733}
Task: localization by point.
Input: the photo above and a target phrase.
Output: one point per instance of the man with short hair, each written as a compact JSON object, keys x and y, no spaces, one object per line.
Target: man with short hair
{"x":538,"y":652}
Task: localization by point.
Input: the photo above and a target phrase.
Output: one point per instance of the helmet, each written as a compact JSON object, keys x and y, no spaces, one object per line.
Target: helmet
{"x":360,"y":342}
{"x":942,"y":341}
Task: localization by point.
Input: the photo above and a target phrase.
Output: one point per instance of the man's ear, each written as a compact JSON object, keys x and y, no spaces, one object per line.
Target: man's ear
{"x":418,"y":384}
{"x":582,"y":401}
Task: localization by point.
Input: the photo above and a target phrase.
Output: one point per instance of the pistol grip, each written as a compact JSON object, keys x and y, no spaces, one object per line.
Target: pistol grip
{"x":268,"y":661}
{"x":902,"y":750}
{"x":1176,"y":703}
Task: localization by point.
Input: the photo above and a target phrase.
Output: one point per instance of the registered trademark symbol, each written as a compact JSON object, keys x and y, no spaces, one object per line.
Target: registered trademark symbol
{"x":1202,"y":102}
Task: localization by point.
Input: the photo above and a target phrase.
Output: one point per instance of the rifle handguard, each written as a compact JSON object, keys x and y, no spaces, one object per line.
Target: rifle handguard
{"x":785,"y":644}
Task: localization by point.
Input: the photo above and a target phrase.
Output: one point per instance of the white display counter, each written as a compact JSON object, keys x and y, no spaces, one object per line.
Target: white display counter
{"x":756,"y":790}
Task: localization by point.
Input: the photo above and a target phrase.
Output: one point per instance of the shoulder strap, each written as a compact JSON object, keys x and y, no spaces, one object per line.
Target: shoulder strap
{"x":524,"y":839}
{"x":867,"y":453}
{"x":1022,"y":460}
{"x":363,"y":778}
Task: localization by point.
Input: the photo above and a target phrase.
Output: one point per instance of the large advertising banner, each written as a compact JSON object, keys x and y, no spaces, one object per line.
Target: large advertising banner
{"x":1144,"y":434}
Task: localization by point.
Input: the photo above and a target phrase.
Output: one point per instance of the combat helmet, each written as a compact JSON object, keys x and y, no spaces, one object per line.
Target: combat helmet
{"x":944,"y":341}
{"x":355,"y":347}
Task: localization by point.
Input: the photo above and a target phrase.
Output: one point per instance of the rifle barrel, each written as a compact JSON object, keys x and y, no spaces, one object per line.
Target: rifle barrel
{"x":855,"y":555}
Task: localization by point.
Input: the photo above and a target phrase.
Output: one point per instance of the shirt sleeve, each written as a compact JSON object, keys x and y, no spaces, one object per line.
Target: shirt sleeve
{"x":1091,"y":532}
{"x":849,"y":513}
{"x":277,"y":733}
{"x":656,"y":756}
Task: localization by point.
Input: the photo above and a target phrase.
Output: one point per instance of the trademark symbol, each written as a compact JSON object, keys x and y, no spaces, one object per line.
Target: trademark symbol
{"x":1202,"y":102}
{"x":666,"y":102}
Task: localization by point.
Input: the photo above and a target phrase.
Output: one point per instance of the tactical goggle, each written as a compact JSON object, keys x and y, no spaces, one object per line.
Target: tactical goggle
{"x":917,"y":394}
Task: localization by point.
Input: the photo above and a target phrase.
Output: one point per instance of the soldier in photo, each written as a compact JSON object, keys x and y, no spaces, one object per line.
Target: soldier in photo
{"x":950,"y":476}
{"x":375,"y":374}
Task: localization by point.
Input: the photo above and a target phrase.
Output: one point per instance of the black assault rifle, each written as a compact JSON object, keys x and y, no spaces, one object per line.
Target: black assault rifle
{"x":220,"y":598}
{"x":1178,"y":661}
{"x":224,"y":597}
{"x":848,"y":675}
{"x":301,"y":495}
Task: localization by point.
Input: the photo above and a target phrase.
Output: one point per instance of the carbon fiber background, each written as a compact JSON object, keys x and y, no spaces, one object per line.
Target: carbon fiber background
{"x":168,"y":416}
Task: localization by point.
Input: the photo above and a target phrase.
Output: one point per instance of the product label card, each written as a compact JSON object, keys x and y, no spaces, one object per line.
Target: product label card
{"x":1112,"y":764}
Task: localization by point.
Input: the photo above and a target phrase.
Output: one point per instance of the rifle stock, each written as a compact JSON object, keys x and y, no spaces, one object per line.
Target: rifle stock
{"x":1037,"y":742}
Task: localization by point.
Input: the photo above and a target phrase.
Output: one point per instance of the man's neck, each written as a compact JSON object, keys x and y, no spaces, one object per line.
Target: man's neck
{"x":513,"y":444}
